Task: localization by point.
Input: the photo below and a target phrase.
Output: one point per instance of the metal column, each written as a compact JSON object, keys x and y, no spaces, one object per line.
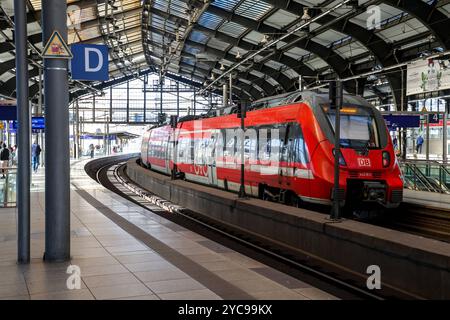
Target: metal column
{"x":230,"y":102}
{"x":427,"y":123}
{"x":77,"y":131}
{"x":145,"y":99}
{"x":195,"y":101}
{"x":23,"y":135}
{"x":445,"y":132}
{"x":108,"y":142}
{"x":178,"y":99}
{"x":41,"y":113}
{"x":57,"y":185}
{"x":110,"y":103}
{"x":161,"y":98}
{"x":338,"y":94}
{"x":128,"y":101}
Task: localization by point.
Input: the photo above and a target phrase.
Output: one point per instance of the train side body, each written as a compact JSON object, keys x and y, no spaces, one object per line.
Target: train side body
{"x":295,"y":161}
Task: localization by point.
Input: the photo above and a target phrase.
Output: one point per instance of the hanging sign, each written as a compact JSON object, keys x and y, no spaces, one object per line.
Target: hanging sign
{"x":428,"y":76}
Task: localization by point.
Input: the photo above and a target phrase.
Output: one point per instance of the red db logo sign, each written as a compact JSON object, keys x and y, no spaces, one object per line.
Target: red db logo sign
{"x":364,"y":162}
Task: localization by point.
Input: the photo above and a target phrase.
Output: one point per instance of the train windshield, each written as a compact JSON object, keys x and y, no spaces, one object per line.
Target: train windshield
{"x":358,"y":127}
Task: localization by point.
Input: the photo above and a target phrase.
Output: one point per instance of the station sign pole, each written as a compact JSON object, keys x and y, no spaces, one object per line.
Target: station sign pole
{"x":242,"y":114}
{"x":23,"y":132}
{"x":57,"y":149}
{"x":336,"y":100}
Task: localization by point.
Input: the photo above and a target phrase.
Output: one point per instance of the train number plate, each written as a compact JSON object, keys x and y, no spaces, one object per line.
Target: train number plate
{"x":364,"y":162}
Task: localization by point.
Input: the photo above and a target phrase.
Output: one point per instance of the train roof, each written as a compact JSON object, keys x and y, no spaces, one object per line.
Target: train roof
{"x":314,"y":97}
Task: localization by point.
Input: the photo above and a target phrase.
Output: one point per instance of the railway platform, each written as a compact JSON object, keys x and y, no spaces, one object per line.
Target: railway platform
{"x":145,"y":256}
{"x":428,"y":199}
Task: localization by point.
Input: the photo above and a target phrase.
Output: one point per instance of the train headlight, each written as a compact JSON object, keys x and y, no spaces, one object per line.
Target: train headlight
{"x":386,"y":159}
{"x":341,"y":158}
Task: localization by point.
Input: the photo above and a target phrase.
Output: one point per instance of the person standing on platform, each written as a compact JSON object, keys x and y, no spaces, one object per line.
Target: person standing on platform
{"x":91,"y":150}
{"x":419,"y":144}
{"x":4,"y":158}
{"x":35,"y":155}
{"x":15,"y":156}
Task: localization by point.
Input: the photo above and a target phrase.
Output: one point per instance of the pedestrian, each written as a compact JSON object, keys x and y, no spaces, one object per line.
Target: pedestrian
{"x":15,"y":156}
{"x":4,"y":158}
{"x":35,"y":155}
{"x":91,"y":150}
{"x":419,"y":144}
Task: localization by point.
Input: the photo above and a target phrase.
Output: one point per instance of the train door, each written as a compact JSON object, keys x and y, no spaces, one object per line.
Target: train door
{"x":168,"y":151}
{"x":302,"y":174}
{"x":211,"y":159}
{"x":283,"y":150}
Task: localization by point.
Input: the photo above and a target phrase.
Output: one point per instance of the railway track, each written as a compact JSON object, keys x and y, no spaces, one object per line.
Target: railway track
{"x":111,"y":175}
{"x":427,"y":222}
{"x":420,"y":220}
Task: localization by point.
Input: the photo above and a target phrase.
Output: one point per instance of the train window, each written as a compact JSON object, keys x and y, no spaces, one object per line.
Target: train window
{"x":300,"y":153}
{"x":359,"y":129}
{"x":192,"y":150}
{"x":251,"y":146}
{"x":180,"y":149}
{"x":264,"y":136}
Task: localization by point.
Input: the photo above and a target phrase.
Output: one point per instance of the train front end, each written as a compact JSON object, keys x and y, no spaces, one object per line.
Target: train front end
{"x":369,"y":171}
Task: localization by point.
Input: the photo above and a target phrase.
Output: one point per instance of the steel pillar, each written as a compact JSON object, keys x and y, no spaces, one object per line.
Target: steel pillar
{"x":57,"y":179}
{"x":338,"y":87}
{"x":445,"y":131}
{"x":195,"y":102}
{"x":178,"y":99}
{"x":23,"y":134}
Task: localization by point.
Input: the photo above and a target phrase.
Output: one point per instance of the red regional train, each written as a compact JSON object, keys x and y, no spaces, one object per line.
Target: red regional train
{"x":288,"y":151}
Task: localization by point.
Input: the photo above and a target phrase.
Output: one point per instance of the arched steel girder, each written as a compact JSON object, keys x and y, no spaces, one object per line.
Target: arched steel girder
{"x":267,"y":86}
{"x":253,"y":92}
{"x":249,"y":90}
{"x":193,"y":68}
{"x":9,"y":88}
{"x":285,"y":81}
{"x":33,"y":90}
{"x":244,"y":89}
{"x":7,"y":46}
{"x":288,"y":62}
{"x":223,"y":54}
{"x":434,"y":20}
{"x":429,"y":15}
{"x":381,"y":50}
{"x":218,"y":53}
{"x":336,"y":62}
{"x":7,"y":65}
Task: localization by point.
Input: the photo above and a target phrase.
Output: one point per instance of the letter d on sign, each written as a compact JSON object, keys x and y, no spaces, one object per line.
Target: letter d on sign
{"x":87,"y":61}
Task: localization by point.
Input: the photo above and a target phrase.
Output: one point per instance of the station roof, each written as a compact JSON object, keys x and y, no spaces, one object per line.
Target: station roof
{"x":198,"y":40}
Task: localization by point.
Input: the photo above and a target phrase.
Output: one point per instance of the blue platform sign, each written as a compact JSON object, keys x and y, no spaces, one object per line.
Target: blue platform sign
{"x":37,"y":123}
{"x":401,"y":121}
{"x":8,"y":113}
{"x":90,"y":62}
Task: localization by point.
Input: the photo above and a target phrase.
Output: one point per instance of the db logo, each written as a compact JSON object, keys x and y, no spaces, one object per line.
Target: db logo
{"x":364,"y":162}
